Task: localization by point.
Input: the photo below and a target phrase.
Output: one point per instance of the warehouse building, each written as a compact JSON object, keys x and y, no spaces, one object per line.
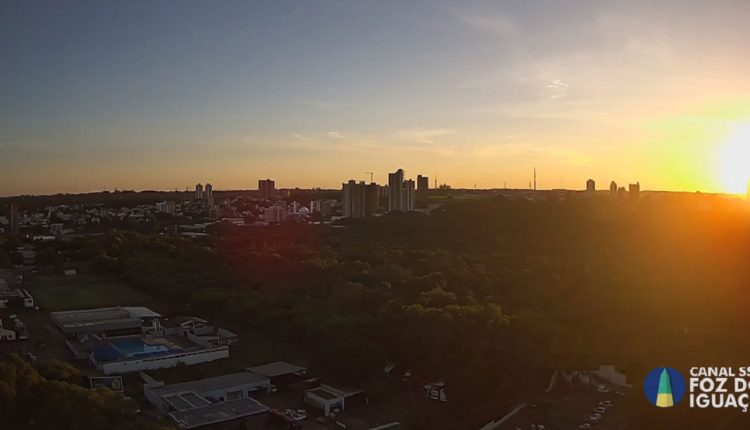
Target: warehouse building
{"x":209,"y":401}
{"x":114,"y":321}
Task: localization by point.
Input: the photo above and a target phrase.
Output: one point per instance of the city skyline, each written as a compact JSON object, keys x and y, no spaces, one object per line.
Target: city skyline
{"x":145,"y":95}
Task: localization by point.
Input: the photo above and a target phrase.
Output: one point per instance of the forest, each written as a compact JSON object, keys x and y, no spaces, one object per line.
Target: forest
{"x":491,"y":295}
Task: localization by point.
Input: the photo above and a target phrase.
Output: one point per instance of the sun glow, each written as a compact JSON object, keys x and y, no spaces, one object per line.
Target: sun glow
{"x":734,"y":160}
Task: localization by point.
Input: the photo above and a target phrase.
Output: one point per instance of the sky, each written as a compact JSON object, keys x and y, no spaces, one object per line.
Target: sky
{"x":163,"y":94}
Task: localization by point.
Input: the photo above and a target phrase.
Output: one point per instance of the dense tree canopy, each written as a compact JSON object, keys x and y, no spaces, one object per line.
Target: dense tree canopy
{"x":29,"y":400}
{"x":491,"y":295}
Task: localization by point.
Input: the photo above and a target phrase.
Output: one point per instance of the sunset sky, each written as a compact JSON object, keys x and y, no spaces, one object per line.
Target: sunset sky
{"x":164,"y":94}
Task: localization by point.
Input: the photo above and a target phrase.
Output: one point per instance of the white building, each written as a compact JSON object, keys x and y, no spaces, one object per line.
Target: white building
{"x":114,"y":356}
{"x":328,"y":398}
{"x":395,"y":190}
{"x":407,"y":196}
{"x":6,"y":334}
{"x":208,"y":195}
{"x":401,"y":194}
{"x":200,"y":332}
{"x":275,"y":214}
{"x":209,"y":401}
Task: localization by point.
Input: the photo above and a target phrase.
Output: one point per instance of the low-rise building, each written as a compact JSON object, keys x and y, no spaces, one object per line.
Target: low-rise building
{"x":113,"y":321}
{"x":114,"y":356}
{"x":209,"y":401}
{"x":6,"y":333}
{"x":329,"y":399}
{"x":201,"y":332}
{"x":280,"y":373}
{"x":12,"y":329}
{"x":128,"y":339}
{"x":14,"y":298}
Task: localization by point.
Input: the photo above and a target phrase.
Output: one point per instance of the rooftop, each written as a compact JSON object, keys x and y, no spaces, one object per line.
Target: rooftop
{"x":218,"y":412}
{"x":141,"y":312}
{"x":320,"y":392}
{"x":278,"y":368}
{"x":116,"y":317}
{"x":211,"y":384}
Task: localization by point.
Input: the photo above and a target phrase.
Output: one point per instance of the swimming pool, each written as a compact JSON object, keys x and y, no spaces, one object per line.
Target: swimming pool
{"x":135,"y":346}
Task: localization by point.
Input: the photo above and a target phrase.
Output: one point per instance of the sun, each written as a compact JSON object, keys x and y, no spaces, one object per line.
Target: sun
{"x":734,"y":160}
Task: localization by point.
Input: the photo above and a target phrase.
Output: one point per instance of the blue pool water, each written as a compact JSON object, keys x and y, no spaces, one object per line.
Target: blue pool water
{"x":135,"y":346}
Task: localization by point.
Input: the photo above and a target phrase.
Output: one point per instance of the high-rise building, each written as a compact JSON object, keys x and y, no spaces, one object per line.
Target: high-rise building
{"x":353,"y":199}
{"x":400,"y":193}
{"x":634,"y":190}
{"x":613,"y":189}
{"x":590,"y":186}
{"x":372,"y":198}
{"x":15,"y":219}
{"x":199,"y":192}
{"x":423,"y":184}
{"x":407,"y":196}
{"x":266,"y":189}
{"x":208,"y":195}
{"x":395,"y":190}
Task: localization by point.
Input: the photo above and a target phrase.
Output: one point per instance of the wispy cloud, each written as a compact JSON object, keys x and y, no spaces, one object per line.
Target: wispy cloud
{"x":557,"y":84}
{"x":496,"y":23}
{"x":335,"y":135}
{"x":404,"y":141}
{"x":422,"y":135}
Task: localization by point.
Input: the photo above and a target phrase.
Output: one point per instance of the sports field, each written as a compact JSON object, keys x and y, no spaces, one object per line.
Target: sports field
{"x":58,"y":292}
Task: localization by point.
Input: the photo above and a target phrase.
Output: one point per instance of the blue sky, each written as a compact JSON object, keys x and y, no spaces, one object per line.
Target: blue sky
{"x":164,"y":94}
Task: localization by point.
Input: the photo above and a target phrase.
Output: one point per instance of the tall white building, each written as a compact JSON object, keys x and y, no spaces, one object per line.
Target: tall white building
{"x":198,"y":191}
{"x":590,"y":186}
{"x":401,"y":193}
{"x":395,"y":190}
{"x":353,"y":199}
{"x":208,"y":194}
{"x":407,"y":196}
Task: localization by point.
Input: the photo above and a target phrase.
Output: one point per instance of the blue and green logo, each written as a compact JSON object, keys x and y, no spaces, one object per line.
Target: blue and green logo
{"x":664,"y":387}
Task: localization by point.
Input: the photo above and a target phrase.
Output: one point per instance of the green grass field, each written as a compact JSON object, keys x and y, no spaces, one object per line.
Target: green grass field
{"x":55,"y":293}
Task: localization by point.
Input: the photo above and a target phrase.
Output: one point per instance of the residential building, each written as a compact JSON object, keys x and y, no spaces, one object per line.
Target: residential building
{"x":323,"y":207}
{"x":590,"y":186}
{"x":408,"y":196}
{"x":198,"y":192}
{"x":372,"y":199}
{"x":423,"y":185}
{"x":353,"y":199}
{"x":15,"y":219}
{"x":275,"y":214}
{"x":266,"y":189}
{"x":395,"y":190}
{"x":613,"y":189}
{"x":208,"y":195}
